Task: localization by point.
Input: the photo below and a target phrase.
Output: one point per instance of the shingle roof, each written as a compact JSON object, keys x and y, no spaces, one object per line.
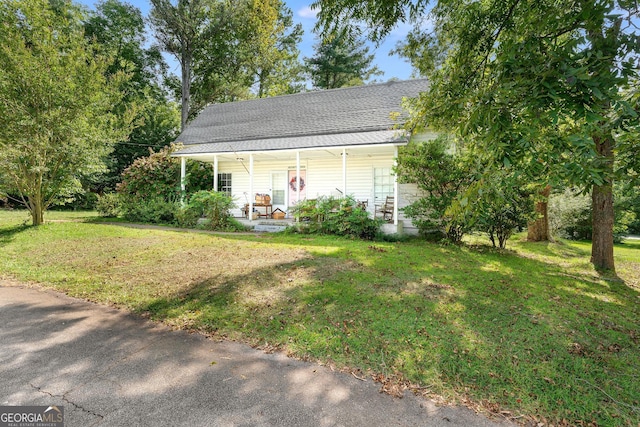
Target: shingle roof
{"x":304,"y":120}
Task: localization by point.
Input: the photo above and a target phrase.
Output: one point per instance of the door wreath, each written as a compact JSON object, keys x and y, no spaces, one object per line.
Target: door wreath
{"x":292,"y":184}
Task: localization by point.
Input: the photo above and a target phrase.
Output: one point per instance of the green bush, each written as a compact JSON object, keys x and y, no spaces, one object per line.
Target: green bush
{"x":108,"y":205}
{"x":155,"y":210}
{"x":570,"y":215}
{"x":442,"y":177}
{"x":212,"y":205}
{"x":503,"y":205}
{"x":338,"y":216}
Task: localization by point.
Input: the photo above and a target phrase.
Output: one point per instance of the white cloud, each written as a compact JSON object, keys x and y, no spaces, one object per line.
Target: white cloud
{"x":307,"y":12}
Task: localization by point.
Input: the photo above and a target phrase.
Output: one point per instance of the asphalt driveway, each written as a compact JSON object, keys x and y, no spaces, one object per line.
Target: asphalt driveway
{"x":110,"y":368}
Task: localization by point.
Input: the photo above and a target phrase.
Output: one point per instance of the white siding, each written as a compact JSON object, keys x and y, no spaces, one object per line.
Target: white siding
{"x":323,"y":178}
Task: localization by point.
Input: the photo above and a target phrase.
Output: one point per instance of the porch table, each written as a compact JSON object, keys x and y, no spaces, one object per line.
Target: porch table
{"x":268,"y":209}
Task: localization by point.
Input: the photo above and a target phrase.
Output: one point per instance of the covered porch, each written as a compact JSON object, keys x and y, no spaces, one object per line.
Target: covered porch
{"x":288,"y":176}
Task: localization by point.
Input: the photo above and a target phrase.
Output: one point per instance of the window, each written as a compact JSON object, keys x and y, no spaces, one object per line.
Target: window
{"x":224,"y":183}
{"x":382,"y":184}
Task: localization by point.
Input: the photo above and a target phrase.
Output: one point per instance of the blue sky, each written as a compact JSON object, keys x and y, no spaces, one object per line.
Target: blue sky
{"x":392,"y":66}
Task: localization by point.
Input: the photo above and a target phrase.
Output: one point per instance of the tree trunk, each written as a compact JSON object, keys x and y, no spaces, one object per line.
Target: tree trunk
{"x":36,"y":209}
{"x":538,"y":230}
{"x":602,"y":209}
{"x":186,"y":88}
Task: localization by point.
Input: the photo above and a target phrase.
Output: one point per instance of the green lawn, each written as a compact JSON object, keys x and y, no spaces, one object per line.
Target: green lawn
{"x":533,"y":332}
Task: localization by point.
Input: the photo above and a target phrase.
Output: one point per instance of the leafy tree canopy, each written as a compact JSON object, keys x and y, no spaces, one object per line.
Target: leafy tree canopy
{"x":56,"y":121}
{"x":339,"y":61}
{"x":547,"y":86}
{"x":119,"y":29}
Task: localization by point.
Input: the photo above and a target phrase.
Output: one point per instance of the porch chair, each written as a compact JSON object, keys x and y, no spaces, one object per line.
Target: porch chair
{"x":386,"y":209}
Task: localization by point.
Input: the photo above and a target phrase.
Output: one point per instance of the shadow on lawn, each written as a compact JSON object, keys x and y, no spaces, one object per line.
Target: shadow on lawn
{"x":509,"y":332}
{"x":8,"y":234}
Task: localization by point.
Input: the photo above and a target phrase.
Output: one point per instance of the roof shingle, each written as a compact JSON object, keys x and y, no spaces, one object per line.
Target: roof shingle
{"x":292,"y":121}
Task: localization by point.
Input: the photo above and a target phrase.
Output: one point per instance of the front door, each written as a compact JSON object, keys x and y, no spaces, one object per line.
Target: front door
{"x":293,"y":189}
{"x":279,"y":190}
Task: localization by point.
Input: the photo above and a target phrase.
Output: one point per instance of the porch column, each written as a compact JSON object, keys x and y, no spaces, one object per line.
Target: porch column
{"x":251,"y":195}
{"x":215,"y":173}
{"x":395,"y":188}
{"x":344,"y":172}
{"x":183,"y":178}
{"x":298,"y":177}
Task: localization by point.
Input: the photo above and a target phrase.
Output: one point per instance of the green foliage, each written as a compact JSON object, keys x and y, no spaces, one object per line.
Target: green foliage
{"x":570,"y":214}
{"x":154,"y":176}
{"x":108,"y":205}
{"x":548,"y":86}
{"x":212,"y":205}
{"x":154,"y":182}
{"x":443,"y":178}
{"x":56,"y":125}
{"x":340,"y":61}
{"x":119,"y":30}
{"x":338,"y":216}
{"x":227,"y":48}
{"x":158,"y":175}
{"x":152,"y":210}
{"x":504,"y":206}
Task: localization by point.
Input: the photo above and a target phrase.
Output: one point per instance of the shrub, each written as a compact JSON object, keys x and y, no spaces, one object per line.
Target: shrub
{"x":153,"y":182}
{"x":442,"y":177}
{"x":212,"y":205}
{"x":503,"y":205}
{"x":338,"y":216}
{"x":570,"y":215}
{"x":108,"y":205}
{"x":155,"y":210}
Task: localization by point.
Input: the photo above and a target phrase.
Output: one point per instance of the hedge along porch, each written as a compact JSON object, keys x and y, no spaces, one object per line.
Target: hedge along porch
{"x":338,"y":142}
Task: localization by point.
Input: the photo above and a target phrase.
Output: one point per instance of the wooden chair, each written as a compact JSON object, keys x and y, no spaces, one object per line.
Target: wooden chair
{"x":363,"y":204}
{"x":386,"y":209}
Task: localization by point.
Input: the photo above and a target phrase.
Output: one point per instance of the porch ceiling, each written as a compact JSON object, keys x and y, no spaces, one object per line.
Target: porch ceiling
{"x":305,"y":154}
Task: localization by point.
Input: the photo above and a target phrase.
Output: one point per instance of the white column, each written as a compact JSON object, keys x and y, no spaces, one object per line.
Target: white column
{"x":183,"y":178}
{"x":251,"y":195}
{"x":298,"y":176}
{"x":215,"y":173}
{"x":395,"y":188}
{"x":344,"y":172}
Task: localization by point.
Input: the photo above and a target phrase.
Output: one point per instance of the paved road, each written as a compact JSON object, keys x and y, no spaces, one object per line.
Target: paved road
{"x":110,"y":368}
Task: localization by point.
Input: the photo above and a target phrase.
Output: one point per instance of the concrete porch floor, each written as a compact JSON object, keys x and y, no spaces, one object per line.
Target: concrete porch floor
{"x":275,"y":225}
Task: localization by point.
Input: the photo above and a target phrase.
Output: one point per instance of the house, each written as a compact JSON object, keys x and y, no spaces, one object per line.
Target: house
{"x":302,"y":146}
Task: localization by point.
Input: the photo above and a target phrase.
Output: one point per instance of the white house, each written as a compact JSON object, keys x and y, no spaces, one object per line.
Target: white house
{"x":335,"y":142}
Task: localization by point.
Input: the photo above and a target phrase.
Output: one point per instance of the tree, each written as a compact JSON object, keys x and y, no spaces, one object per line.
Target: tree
{"x":179,"y":30}
{"x":278,"y":68}
{"x":339,"y":61}
{"x":225,"y":48}
{"x":504,"y":205}
{"x":502,"y":71}
{"x":56,"y":124}
{"x":251,"y":52}
{"x":119,"y":29}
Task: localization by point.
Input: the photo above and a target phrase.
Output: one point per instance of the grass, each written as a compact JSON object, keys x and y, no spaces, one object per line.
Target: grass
{"x":532,"y":333}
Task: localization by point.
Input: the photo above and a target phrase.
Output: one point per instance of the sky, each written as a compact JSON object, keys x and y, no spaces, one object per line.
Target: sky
{"x":392,"y":66}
